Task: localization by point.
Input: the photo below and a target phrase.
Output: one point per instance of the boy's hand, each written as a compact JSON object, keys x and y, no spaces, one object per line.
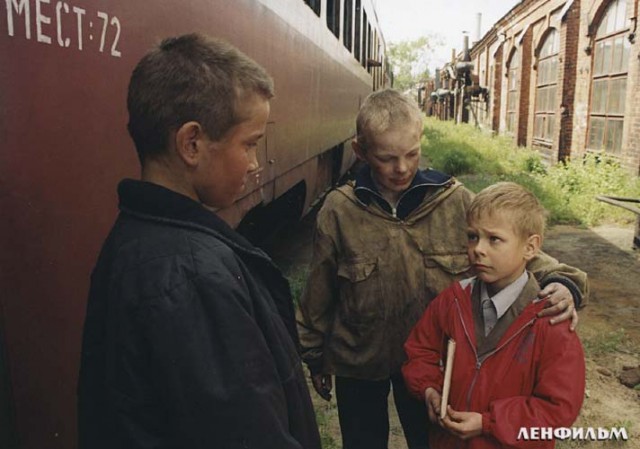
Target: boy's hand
{"x":322,"y":384}
{"x":559,"y":303}
{"x":464,"y":425}
{"x":433,"y":399}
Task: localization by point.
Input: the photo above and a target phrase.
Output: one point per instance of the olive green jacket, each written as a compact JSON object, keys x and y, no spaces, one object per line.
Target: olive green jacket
{"x":372,"y":276}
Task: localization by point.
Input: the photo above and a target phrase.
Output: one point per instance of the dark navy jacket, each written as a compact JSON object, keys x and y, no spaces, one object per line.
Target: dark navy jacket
{"x":366,"y":190}
{"x":190,"y":339}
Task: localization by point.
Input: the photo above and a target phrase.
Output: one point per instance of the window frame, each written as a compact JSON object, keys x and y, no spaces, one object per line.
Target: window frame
{"x":546,"y":88}
{"x":315,"y":5}
{"x":605,"y":122}
{"x":347,"y":25}
{"x":513,"y":92}
{"x":333,"y":17}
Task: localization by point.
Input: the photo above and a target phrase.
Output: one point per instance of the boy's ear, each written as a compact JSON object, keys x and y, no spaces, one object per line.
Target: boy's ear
{"x":188,"y":139}
{"x":357,"y":148}
{"x":532,"y":246}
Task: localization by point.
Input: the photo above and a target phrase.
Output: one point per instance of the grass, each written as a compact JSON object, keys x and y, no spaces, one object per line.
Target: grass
{"x":567,"y":190}
{"x":605,"y":342}
{"x":297,"y":278}
{"x":326,"y":417}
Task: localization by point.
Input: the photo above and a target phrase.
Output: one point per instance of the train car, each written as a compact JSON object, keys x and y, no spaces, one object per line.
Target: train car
{"x":63,"y":80}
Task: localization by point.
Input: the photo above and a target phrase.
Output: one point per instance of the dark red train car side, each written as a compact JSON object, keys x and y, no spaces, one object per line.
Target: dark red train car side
{"x":63,"y":79}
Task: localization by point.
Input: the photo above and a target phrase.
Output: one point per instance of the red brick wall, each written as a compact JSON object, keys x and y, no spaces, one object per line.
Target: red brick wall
{"x":574,"y":75}
{"x":497,"y":90}
{"x":525,"y":87}
{"x":569,"y":42}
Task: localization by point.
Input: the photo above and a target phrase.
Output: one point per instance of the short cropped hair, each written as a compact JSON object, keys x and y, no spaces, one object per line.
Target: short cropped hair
{"x":527,"y":215}
{"x":190,"y":78}
{"x":383,"y":110}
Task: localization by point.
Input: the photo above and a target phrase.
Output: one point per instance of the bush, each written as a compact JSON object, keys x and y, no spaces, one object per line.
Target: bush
{"x":567,"y":190}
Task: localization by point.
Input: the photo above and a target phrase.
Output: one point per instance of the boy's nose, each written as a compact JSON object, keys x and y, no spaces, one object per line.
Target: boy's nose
{"x":253,"y":161}
{"x":479,"y":249}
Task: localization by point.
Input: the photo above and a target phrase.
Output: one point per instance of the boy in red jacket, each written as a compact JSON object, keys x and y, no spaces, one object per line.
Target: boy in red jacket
{"x":512,"y":370}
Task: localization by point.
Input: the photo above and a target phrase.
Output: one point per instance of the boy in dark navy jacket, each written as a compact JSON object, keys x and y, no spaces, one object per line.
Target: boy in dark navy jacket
{"x":190,"y":337}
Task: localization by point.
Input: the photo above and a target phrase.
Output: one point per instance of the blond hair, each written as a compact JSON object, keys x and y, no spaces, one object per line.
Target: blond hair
{"x":383,"y":110}
{"x":526,"y":214}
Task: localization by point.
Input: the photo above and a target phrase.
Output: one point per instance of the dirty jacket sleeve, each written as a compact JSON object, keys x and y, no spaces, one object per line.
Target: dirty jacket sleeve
{"x":547,"y":270}
{"x":317,"y":304}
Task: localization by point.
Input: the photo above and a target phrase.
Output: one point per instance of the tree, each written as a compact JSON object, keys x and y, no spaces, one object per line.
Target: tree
{"x":409,"y":61}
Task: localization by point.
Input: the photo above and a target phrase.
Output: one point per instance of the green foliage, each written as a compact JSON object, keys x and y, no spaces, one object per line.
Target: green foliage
{"x":297,"y":280}
{"x":581,"y":180}
{"x":409,"y":61}
{"x":605,"y":343}
{"x":325,"y":417}
{"x":567,"y":190}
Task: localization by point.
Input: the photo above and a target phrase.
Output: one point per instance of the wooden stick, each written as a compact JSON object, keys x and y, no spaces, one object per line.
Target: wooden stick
{"x":451,"y":350}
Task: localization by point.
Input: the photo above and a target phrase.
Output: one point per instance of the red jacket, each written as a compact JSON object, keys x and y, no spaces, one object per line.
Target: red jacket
{"x":535,"y":376}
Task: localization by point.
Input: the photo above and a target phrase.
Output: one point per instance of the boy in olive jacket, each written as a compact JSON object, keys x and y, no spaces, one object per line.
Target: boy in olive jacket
{"x":384,"y":247}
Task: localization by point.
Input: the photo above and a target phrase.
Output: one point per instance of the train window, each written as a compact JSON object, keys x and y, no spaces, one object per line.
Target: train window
{"x":609,"y":80}
{"x":546,"y":87}
{"x":357,"y":35}
{"x":348,"y":24}
{"x":374,"y":56}
{"x":369,"y":46}
{"x":314,"y":5}
{"x":365,"y":40}
{"x":333,"y":16}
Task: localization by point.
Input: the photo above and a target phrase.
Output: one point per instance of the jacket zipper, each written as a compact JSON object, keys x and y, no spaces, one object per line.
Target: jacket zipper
{"x":479,"y":362}
{"x":394,"y":209}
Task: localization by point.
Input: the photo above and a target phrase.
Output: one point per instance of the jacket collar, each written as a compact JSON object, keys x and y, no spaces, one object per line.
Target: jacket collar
{"x":153,"y":202}
{"x":523,"y":311}
{"x":366,"y":190}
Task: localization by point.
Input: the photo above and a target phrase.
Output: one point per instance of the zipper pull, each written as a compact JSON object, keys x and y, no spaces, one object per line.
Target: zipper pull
{"x":393,"y":212}
{"x":478,"y":364}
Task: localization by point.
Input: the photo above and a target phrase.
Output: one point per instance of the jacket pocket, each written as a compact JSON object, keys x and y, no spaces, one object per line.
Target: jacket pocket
{"x":359,"y":284}
{"x":450,"y":263}
{"x":443,"y":269}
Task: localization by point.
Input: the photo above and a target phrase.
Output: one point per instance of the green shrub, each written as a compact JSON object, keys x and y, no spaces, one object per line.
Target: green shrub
{"x":568,"y":190}
{"x":605,"y":343}
{"x":580,"y":180}
{"x":297,"y":279}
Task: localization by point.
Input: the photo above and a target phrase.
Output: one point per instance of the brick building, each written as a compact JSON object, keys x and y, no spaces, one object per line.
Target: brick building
{"x":560,"y":76}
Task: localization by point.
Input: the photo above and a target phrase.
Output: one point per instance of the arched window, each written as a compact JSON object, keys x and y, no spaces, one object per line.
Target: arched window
{"x":609,"y":83}
{"x":513,"y":87}
{"x":546,"y":87}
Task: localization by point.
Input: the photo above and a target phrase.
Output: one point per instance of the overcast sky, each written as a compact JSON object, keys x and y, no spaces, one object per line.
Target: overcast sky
{"x":410,"y":19}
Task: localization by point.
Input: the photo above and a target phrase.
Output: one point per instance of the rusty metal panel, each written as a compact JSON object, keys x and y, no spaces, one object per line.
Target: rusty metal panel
{"x":64,"y":71}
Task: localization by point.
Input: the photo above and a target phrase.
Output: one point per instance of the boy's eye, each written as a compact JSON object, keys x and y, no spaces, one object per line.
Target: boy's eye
{"x":494,"y":239}
{"x":472,"y":237}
